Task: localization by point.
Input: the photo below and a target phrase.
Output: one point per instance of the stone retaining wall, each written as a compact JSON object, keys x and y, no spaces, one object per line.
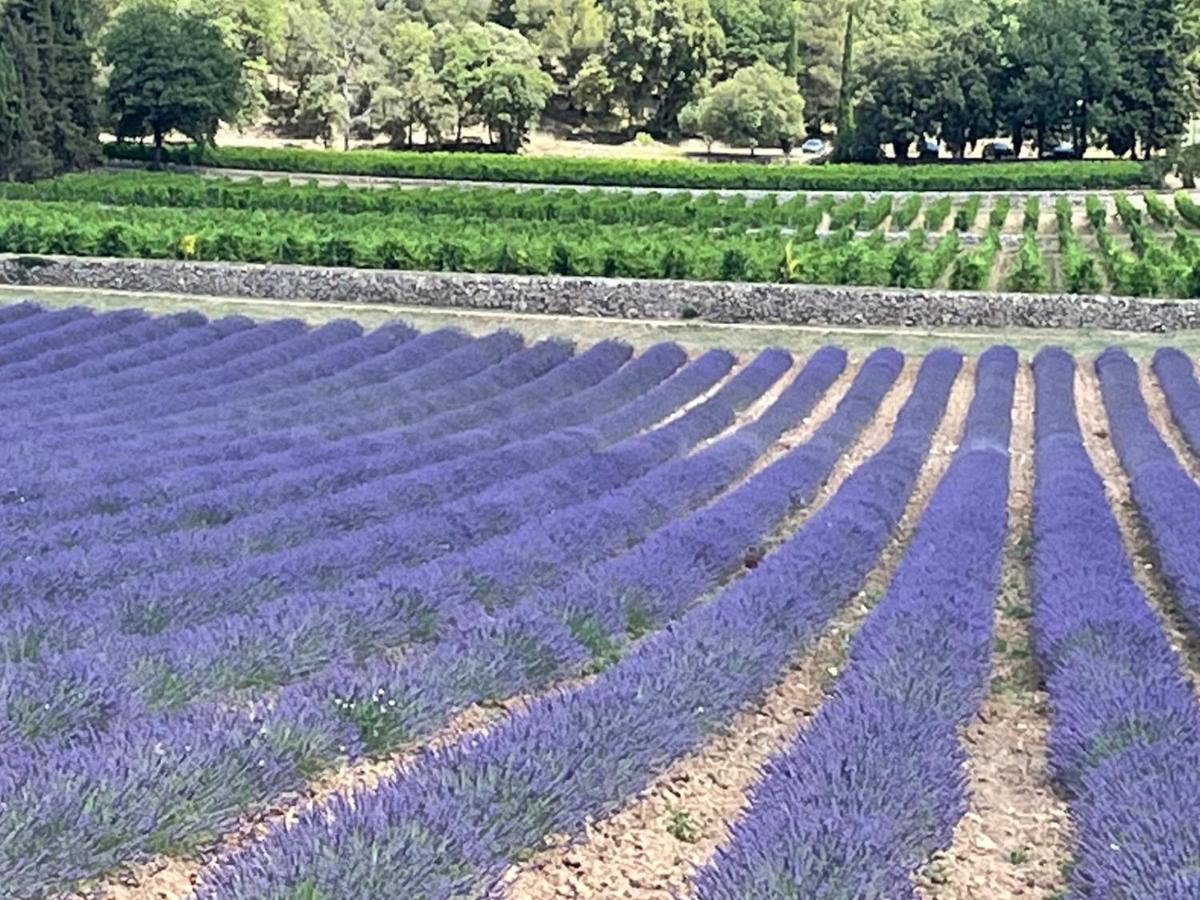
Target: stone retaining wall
{"x":601,"y":297}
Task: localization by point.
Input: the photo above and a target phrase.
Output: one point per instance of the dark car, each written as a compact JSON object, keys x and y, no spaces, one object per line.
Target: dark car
{"x":1065,"y":150}
{"x":998,"y":150}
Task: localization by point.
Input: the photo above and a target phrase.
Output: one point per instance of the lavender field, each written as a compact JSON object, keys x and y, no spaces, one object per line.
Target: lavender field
{"x":322,"y":613}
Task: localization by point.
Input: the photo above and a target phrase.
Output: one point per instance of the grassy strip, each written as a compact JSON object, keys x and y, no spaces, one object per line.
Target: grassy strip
{"x":659,"y":173}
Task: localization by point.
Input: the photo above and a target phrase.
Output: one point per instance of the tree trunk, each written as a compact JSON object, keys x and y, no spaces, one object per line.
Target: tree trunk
{"x":158,"y":148}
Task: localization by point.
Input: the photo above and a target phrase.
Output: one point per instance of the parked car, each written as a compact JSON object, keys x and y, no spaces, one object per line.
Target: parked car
{"x":998,"y":150}
{"x":1065,"y":150}
{"x":928,"y":149}
{"x":813,"y":145}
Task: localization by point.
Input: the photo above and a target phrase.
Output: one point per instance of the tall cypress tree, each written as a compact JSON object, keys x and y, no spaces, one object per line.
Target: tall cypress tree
{"x":47,"y":90}
{"x":72,"y":133}
{"x":13,"y":122}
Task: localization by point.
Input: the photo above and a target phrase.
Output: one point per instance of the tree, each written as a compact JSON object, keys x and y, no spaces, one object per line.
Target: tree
{"x":47,"y":101}
{"x":511,"y":96}
{"x":68,"y":86}
{"x":171,"y":71}
{"x":846,"y":142}
{"x":895,"y":106}
{"x":962,"y":78}
{"x":15,"y":132}
{"x":408,"y":94}
{"x":330,"y":63}
{"x":755,"y":31}
{"x":1063,"y":65}
{"x":819,"y":44}
{"x":758,"y":106}
{"x":658,"y":52}
{"x":255,"y":30}
{"x":459,"y":56}
{"x":1150,"y":100}
{"x":570,"y":37}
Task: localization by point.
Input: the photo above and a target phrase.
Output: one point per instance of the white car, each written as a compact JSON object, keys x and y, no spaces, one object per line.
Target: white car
{"x":812,"y":145}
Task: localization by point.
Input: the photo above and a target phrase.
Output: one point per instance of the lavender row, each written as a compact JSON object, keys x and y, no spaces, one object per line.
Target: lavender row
{"x":291,"y":369}
{"x":1166,"y":496}
{"x":1175,"y":374}
{"x":1125,"y":734}
{"x":270,"y":336}
{"x":61,"y":329}
{"x":243,"y":482}
{"x":450,"y":824}
{"x":84,"y":362}
{"x":425,"y":364}
{"x":482,"y":646}
{"x":220,"y":761}
{"x":42,"y":349}
{"x":131,"y":361}
{"x":204,"y":386}
{"x":163,"y":602}
{"x":874,"y":782}
{"x":387,"y":509}
{"x":118,"y":677}
{"x":242,"y":344}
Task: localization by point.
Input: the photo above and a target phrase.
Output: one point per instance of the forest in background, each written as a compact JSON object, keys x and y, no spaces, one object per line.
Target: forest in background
{"x":749,"y":73}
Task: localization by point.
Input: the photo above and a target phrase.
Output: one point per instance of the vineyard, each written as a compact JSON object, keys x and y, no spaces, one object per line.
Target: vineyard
{"x":326,"y":613}
{"x":1136,"y":244}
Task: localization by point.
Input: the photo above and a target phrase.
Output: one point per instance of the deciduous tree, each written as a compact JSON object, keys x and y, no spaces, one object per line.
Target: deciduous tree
{"x":170,"y":71}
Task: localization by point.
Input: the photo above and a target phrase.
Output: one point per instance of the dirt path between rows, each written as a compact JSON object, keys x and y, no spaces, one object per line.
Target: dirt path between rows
{"x":1014,"y":839}
{"x":651,"y":848}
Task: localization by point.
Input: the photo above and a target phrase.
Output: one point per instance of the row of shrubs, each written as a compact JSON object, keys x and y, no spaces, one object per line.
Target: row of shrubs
{"x":454,"y":245}
{"x":680,"y":210}
{"x":1151,"y":268}
{"x":540,"y":205}
{"x":1061,"y":175}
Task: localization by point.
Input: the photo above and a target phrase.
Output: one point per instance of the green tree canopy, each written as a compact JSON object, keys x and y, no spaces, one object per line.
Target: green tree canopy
{"x":170,"y":71}
{"x":895,"y":106}
{"x":759,"y":106}
{"x":47,"y":89}
{"x":1062,"y":67}
{"x":658,"y":52}
{"x":570,"y":37}
{"x":1151,"y":99}
{"x":511,"y":96}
